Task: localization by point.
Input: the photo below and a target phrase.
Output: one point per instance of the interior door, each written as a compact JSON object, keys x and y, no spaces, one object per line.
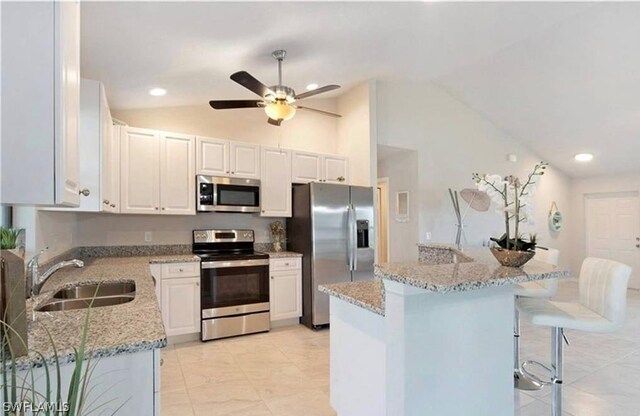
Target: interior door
{"x":613,"y":230}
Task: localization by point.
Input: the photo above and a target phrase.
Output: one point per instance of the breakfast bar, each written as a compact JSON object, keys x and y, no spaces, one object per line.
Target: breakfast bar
{"x":433,"y":337}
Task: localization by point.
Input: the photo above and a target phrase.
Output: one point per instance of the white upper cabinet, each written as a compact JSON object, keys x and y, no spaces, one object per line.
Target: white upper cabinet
{"x":212,"y":156}
{"x":40,"y":103}
{"x":306,"y":167}
{"x":336,"y":169}
{"x":316,"y":167}
{"x":218,"y":157}
{"x":275,"y":190}
{"x":140,"y":171}
{"x":177,"y":174}
{"x":245,"y":160}
{"x":157,"y":172}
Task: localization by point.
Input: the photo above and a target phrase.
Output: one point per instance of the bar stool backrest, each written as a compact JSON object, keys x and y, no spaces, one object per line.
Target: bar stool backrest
{"x":603,"y":289}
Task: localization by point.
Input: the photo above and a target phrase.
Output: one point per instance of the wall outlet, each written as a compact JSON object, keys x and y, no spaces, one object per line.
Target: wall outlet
{"x":427,"y":236}
{"x":148,"y":236}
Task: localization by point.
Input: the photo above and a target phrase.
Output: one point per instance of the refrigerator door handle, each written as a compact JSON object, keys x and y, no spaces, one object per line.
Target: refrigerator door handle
{"x":351,"y":243}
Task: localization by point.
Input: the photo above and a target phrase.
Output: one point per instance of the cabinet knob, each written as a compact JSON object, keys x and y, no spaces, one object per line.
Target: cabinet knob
{"x":161,"y":362}
{"x":181,"y":269}
{"x":271,"y":277}
{"x":163,"y":208}
{"x":84,"y":192}
{"x":233,"y":173}
{"x":106,"y":202}
{"x":112,"y":205}
{"x":198,"y":284}
{"x":156,"y":208}
{"x":263,"y":211}
{"x":341,"y":179}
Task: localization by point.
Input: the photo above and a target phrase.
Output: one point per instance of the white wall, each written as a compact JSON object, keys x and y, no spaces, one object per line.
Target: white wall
{"x":576,"y":217}
{"x":115,"y":229}
{"x":56,"y":230}
{"x":306,"y":131}
{"x":454,"y":141}
{"x":354,"y":133}
{"x":401,"y":167}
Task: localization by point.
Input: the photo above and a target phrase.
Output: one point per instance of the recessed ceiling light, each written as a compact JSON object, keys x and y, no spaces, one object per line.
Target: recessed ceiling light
{"x":157,"y":92}
{"x":312,"y":86}
{"x":583,"y":157}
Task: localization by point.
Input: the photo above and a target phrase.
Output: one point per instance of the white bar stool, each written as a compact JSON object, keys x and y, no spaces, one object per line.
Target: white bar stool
{"x":601,"y":308}
{"x":539,"y":289}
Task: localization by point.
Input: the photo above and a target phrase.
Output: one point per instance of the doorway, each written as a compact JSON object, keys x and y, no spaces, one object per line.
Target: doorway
{"x":382,"y":208}
{"x":613,"y":229}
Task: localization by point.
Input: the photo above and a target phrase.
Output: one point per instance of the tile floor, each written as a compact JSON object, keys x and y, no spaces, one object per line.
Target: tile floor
{"x":286,"y":372}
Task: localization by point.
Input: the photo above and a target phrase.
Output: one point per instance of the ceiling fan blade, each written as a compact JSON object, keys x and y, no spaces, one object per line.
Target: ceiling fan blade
{"x":249,"y":82}
{"x":231,"y":104}
{"x":326,"y":113}
{"x":317,"y":91}
{"x":274,"y":122}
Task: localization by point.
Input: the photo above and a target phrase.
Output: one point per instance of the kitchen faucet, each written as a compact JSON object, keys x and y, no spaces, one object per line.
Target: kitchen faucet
{"x":35,"y":281}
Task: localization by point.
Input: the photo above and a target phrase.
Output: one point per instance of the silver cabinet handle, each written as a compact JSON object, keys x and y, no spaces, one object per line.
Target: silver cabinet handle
{"x":84,"y":192}
{"x":161,"y":362}
{"x":106,"y":202}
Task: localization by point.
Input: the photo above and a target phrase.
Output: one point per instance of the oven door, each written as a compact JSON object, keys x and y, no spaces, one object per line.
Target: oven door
{"x":234,"y":287}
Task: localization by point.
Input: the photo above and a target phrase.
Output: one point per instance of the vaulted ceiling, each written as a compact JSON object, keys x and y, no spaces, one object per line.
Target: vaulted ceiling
{"x":561,"y":77}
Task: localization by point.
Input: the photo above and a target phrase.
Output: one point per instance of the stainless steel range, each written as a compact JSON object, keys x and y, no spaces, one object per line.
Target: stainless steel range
{"x":234,"y":289}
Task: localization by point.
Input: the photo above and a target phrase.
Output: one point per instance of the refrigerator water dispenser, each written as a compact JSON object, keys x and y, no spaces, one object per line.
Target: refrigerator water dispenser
{"x":363,"y":233}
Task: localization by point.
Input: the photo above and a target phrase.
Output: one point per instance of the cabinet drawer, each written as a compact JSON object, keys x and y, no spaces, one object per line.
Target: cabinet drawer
{"x":174,"y":270}
{"x":285,"y":263}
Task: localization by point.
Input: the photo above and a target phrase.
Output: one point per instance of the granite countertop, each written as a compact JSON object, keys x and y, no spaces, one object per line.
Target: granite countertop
{"x":474,"y":269}
{"x":471,"y":270}
{"x":277,"y":254}
{"x":127,"y":328}
{"x":368,"y":294}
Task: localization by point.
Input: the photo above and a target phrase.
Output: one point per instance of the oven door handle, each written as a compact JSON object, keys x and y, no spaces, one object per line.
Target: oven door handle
{"x":234,"y":263}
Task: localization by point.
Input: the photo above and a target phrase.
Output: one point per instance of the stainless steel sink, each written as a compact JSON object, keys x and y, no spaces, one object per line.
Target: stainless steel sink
{"x":94,"y":290}
{"x":65,"y":305}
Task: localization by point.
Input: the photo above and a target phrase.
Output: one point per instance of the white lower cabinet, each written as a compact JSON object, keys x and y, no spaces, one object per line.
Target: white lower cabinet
{"x":178,"y":291}
{"x":285,"y":288}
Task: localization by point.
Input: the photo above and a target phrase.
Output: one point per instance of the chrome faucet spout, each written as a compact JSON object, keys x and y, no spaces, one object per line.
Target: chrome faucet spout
{"x":39,"y":281}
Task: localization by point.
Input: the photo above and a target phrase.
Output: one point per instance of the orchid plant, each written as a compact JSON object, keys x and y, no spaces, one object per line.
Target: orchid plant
{"x":514,"y":200}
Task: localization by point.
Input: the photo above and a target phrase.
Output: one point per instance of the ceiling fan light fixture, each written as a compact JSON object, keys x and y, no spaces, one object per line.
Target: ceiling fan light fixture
{"x":280,"y":110}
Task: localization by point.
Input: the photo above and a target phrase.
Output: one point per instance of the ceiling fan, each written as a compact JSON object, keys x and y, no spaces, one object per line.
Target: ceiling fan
{"x":278,"y":101}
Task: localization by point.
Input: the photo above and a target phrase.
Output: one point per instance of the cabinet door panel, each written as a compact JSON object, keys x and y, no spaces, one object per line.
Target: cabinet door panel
{"x":275,"y":190}
{"x":336,"y":169}
{"x":306,"y":167}
{"x":285,"y":295}
{"x":177,"y":175}
{"x":140,"y":168}
{"x":67,"y":73}
{"x":245,"y":160}
{"x":212,"y":156}
{"x":181,"y":305}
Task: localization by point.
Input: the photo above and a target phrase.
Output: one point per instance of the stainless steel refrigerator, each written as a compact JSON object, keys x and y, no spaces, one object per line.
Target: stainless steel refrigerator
{"x":333,"y":227}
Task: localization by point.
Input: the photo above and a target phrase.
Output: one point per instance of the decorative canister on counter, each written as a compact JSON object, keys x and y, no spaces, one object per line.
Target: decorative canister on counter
{"x":277,"y":235}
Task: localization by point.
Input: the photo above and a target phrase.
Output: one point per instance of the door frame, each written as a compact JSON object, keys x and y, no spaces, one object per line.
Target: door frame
{"x":382,"y":215}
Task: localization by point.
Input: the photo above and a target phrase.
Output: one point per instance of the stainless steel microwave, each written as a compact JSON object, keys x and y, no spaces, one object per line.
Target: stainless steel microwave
{"x":222,"y":194}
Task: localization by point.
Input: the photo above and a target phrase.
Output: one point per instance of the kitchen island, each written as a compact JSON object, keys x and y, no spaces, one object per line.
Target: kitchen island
{"x":123,"y":340}
{"x":433,"y":337}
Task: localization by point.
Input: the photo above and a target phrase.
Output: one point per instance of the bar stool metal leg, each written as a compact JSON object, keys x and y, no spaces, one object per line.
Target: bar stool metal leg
{"x":520,"y":379}
{"x":557,"y":349}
